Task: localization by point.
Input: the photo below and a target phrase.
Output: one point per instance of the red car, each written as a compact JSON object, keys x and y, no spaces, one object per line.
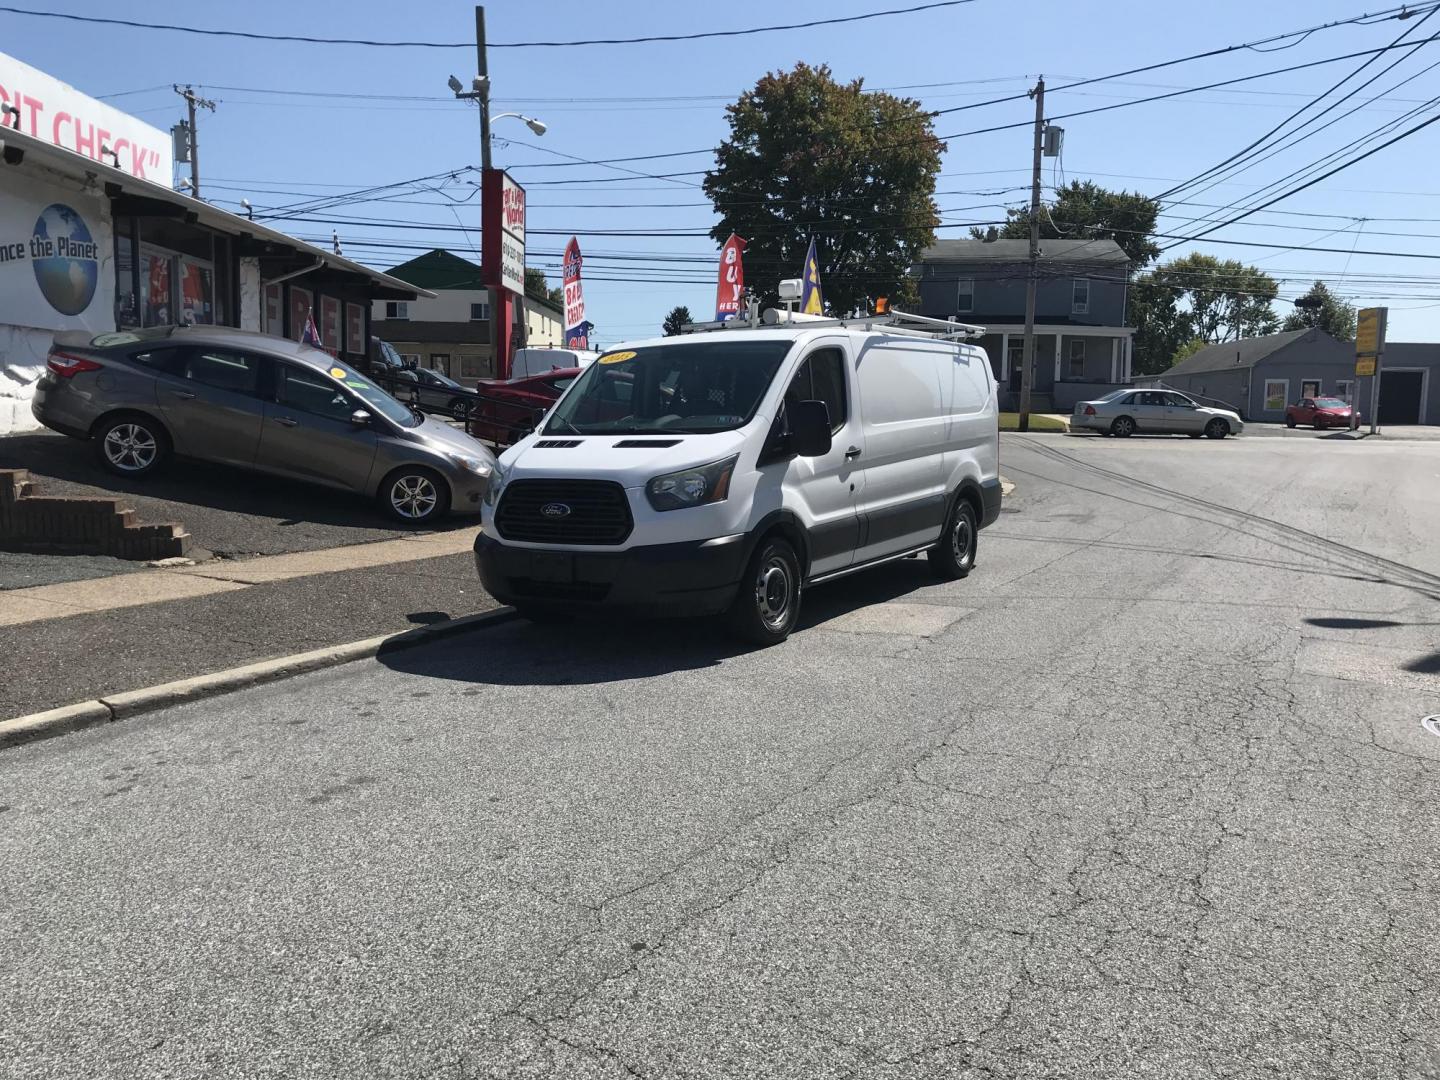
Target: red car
{"x":507,"y":410}
{"x":1323,"y":412}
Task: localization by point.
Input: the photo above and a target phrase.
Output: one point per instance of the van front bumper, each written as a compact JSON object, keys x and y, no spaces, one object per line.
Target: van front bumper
{"x":692,"y":578}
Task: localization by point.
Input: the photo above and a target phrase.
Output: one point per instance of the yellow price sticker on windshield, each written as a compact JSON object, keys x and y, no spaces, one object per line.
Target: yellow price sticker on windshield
{"x":617,"y":357}
{"x":338,"y":372}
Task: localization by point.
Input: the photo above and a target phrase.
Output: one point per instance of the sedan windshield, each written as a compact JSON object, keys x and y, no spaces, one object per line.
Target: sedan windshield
{"x":691,"y":386}
{"x":375,"y":399}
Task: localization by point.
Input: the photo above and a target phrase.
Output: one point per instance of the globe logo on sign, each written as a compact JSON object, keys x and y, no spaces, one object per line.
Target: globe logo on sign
{"x":66,"y":259}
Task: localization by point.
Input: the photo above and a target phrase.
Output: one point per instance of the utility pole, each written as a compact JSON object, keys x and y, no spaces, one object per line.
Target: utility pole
{"x":1027,"y":360}
{"x":194,"y":102}
{"x":493,"y":297}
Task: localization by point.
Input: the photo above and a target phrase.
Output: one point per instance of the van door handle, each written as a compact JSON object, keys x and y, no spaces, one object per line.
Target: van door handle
{"x":183,"y":395}
{"x":852,"y":453}
{"x":285,"y":421}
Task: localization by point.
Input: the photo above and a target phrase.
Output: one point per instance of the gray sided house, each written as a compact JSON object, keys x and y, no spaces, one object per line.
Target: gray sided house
{"x":1259,"y":376}
{"x":1082,"y":345}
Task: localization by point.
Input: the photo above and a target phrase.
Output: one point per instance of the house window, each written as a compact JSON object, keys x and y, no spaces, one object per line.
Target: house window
{"x":480,"y":312}
{"x":1345,"y":390}
{"x":1277,"y":394}
{"x":1076,"y":368}
{"x":1310,"y":388}
{"x":1016,"y":358}
{"x":1080,"y":297}
{"x":397,"y":309}
{"x":965,"y":295}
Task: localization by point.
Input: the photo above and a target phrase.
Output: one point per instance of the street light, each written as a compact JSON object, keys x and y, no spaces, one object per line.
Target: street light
{"x":249,"y":210}
{"x":537,"y":126}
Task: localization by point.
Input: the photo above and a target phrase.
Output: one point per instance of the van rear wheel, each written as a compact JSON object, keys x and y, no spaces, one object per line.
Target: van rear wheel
{"x":953,"y":556}
{"x":767,"y":604}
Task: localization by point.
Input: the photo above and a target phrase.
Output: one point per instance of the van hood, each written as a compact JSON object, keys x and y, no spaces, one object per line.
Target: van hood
{"x":630,"y":460}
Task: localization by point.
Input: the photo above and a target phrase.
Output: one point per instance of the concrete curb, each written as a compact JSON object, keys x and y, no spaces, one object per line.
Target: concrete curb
{"x":45,"y":725}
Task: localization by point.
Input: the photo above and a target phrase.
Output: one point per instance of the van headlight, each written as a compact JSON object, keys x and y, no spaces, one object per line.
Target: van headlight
{"x":692,"y":487}
{"x":491,"y":494}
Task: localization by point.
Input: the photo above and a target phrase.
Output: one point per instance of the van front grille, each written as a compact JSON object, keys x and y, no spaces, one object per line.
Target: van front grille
{"x":564,"y":512}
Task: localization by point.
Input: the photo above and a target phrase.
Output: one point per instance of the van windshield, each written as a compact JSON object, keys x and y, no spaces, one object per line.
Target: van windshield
{"x":690,"y":387}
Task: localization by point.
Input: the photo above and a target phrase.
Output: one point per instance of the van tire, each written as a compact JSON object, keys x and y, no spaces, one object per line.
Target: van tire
{"x":953,"y":557}
{"x":767,"y":603}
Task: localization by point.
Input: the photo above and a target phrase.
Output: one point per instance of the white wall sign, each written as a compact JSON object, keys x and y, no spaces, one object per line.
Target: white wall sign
{"x":57,"y":258}
{"x":60,"y":114}
{"x":512,"y":240}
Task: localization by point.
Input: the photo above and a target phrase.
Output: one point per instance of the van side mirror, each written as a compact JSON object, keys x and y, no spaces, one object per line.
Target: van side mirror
{"x":810,"y":428}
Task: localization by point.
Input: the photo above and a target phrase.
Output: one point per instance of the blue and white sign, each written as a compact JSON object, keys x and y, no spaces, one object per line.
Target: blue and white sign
{"x":57,"y":263}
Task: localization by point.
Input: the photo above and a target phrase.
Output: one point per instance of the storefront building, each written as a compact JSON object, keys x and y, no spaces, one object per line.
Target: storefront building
{"x":92,"y":238}
{"x":450,"y":331}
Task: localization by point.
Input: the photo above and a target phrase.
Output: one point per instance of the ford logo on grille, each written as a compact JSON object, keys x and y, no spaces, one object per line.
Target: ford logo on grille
{"x":555,"y":510}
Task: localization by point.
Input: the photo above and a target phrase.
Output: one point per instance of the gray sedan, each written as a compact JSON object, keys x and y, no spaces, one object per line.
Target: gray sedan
{"x":1125,"y":412}
{"x":261,"y":402}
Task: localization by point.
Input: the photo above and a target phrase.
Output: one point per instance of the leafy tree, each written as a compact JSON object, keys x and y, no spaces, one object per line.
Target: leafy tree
{"x":810,"y":157}
{"x":1190,"y":348}
{"x":1320,"y":307}
{"x":1083,"y":210}
{"x":677,"y":318}
{"x":537,"y":286}
{"x":1197,"y":297}
{"x":1162,"y":326}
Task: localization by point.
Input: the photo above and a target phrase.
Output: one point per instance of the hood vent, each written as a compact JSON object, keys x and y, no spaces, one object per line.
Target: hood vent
{"x":635,"y":444}
{"x":557,"y":444}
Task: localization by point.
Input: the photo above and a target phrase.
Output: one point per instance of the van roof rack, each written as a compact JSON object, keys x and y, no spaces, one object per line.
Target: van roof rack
{"x":896,"y":322}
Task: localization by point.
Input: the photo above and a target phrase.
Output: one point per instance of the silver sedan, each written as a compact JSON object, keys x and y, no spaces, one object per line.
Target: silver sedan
{"x":1125,"y":412}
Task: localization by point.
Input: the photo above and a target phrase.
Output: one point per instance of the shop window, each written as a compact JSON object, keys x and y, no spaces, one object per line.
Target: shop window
{"x":397,"y":309}
{"x":197,"y":292}
{"x":1277,"y":394}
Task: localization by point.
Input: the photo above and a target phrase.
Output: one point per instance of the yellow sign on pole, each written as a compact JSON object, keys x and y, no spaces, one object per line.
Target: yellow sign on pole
{"x":1370,"y":332}
{"x":1364,"y":365}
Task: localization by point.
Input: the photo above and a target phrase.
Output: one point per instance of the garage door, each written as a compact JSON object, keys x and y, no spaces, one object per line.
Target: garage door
{"x":1400,"y":397}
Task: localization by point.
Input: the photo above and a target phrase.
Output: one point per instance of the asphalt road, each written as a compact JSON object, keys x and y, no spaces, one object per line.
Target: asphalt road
{"x":1147,"y":795}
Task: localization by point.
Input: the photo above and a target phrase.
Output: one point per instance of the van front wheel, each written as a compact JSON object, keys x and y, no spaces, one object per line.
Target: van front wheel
{"x":768,"y":601}
{"x":953,"y":557}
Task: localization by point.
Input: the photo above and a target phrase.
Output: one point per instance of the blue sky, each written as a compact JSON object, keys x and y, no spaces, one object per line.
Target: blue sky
{"x":614,"y":101}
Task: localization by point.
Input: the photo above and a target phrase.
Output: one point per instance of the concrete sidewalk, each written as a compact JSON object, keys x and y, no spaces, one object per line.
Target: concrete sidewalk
{"x":86,"y":639}
{"x":158,"y":585}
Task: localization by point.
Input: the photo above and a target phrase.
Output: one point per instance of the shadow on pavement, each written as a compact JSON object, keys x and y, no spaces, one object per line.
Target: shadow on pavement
{"x":604,"y":647}
{"x":64,"y":466}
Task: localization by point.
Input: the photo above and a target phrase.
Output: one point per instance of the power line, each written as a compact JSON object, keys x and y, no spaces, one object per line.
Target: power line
{"x":1218,"y":167}
{"x":1311,"y":183}
{"x":253,"y":36}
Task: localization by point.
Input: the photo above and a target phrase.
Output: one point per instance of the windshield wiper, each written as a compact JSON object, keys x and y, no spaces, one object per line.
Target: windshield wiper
{"x":561,"y":420}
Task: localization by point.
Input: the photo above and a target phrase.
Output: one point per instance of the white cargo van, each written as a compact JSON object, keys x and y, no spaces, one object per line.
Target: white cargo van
{"x":529,"y":362}
{"x":723,"y":470}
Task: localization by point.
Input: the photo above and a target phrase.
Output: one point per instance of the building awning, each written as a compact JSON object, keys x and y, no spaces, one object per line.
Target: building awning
{"x":130,"y":195}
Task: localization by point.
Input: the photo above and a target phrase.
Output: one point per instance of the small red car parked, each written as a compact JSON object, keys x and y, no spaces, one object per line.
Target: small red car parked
{"x":1322,"y":412}
{"x":508,"y":409}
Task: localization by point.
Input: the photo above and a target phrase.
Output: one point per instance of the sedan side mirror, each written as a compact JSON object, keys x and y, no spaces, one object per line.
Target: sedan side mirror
{"x":361,"y":417}
{"x":810,"y":428}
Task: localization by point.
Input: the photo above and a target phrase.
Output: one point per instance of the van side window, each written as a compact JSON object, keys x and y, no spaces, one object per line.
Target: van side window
{"x":822,"y":378}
